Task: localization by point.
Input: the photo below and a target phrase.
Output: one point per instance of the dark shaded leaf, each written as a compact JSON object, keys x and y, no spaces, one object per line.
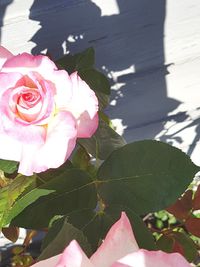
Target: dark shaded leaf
{"x":96,"y":80}
{"x":58,"y":238}
{"x":165,"y":243}
{"x":83,"y":60}
{"x":72,"y":190}
{"x":145,"y":176}
{"x":185,"y":245}
{"x":103,"y":142}
{"x":96,"y":225}
{"x":81,"y":159}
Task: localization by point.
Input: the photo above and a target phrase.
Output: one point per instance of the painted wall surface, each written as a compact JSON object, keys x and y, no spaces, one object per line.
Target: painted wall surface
{"x":150,"y":50}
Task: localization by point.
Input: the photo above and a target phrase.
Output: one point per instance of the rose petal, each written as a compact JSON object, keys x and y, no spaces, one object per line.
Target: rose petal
{"x":11,"y":149}
{"x":84,"y":107}
{"x":119,"y":242}
{"x":145,"y":258}
{"x":44,"y":68}
{"x":4,"y":55}
{"x":30,"y":114}
{"x":51,"y":262}
{"x":24,"y":63}
{"x":57,"y":147}
{"x":10,"y":80}
{"x":63,"y":87}
{"x":73,"y":256}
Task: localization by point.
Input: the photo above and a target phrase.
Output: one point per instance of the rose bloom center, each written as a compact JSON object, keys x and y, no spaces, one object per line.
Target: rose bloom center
{"x":29,"y":99}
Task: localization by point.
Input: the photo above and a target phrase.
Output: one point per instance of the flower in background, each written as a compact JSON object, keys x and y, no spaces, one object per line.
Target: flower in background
{"x":43,"y":111}
{"x":119,"y":249}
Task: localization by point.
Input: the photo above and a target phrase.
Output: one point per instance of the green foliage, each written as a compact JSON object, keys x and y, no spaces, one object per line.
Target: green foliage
{"x":72,"y":190}
{"x":59,"y":236}
{"x":145,"y":176}
{"x":103,"y":142}
{"x":9,"y":195}
{"x":8,"y":166}
{"x":96,"y":80}
{"x":84,"y":64}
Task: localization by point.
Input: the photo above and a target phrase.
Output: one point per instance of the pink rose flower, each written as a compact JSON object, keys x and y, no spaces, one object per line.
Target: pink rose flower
{"x":43,"y":111}
{"x":119,"y":249}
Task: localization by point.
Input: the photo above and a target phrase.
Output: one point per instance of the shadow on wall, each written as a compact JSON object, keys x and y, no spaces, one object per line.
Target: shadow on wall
{"x":3,"y":6}
{"x":129,"y":48}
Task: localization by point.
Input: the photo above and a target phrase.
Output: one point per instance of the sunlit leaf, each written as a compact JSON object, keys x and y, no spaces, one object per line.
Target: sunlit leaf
{"x":8,"y":166}
{"x":10,"y":193}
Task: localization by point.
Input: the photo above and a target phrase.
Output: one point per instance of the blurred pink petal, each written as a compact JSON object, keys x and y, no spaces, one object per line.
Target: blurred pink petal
{"x":51,"y":262}
{"x":119,"y":249}
{"x":119,"y":242}
{"x":4,"y":55}
{"x":73,"y":256}
{"x":84,"y":107}
{"x":145,"y":258}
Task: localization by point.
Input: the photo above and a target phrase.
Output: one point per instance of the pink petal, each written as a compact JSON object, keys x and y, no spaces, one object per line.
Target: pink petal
{"x":84,"y":107}
{"x":119,"y":242}
{"x":11,"y":149}
{"x":14,"y":139}
{"x":51,"y":262}
{"x":4,"y":55}
{"x":24,"y":63}
{"x":63,"y":86}
{"x":145,"y":258}
{"x":10,"y":80}
{"x":45,"y":69}
{"x":58,"y":145}
{"x":73,"y":256}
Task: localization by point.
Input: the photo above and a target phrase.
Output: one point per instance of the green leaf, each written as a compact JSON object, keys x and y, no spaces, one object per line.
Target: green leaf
{"x":53,"y":173}
{"x":165,"y":243}
{"x":142,"y":234}
{"x":96,"y":80}
{"x":83,"y":60}
{"x":95,"y":225}
{"x":86,"y":59}
{"x":145,"y":176}
{"x":68,"y":62}
{"x":188,"y":246}
{"x":72,"y":190}
{"x":8,"y":166}
{"x":81,"y":159}
{"x":103,"y":142}
{"x":103,"y":100}
{"x":10,"y":193}
{"x":59,"y":236}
